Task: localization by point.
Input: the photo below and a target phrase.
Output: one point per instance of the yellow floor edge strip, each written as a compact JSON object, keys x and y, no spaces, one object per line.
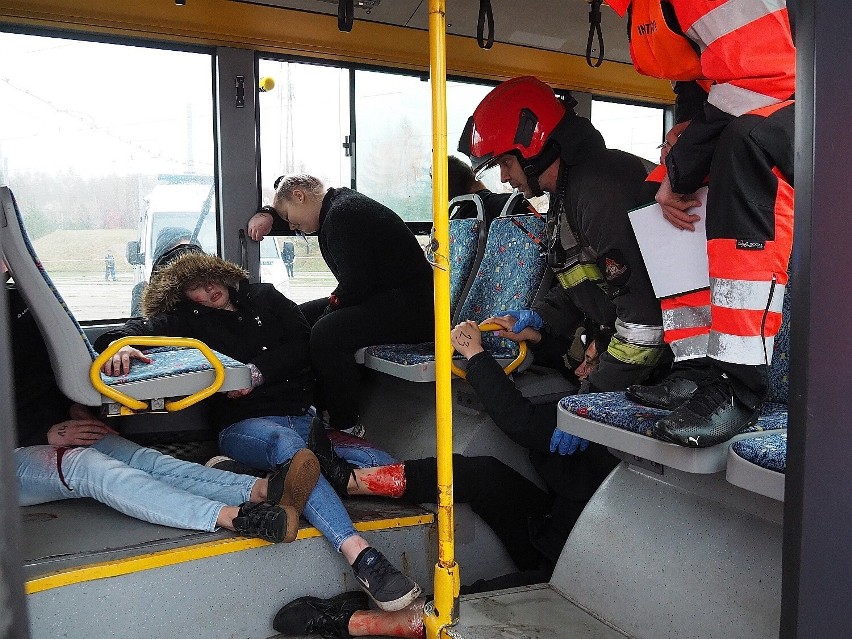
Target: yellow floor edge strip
{"x":173,"y":556}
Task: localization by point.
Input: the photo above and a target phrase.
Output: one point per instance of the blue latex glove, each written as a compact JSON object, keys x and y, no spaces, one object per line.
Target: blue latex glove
{"x":566,"y":443}
{"x":525,"y":319}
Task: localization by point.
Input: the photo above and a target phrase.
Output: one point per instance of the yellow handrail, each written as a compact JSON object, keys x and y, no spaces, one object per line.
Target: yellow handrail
{"x":443,"y":611}
{"x":510,"y":368}
{"x":134,"y":340}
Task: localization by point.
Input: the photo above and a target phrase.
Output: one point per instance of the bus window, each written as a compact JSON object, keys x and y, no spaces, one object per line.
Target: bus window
{"x":85,"y":151}
{"x":394,"y":124}
{"x":273,"y":268}
{"x":630,"y":127}
{"x":304,"y":120}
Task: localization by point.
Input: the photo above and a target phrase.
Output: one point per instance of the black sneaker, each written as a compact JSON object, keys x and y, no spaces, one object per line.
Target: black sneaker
{"x":291,"y":483}
{"x":221,"y":462}
{"x":711,"y":416}
{"x":387,"y":586}
{"x":336,"y":469}
{"x":264,"y":521}
{"x":327,"y":617}
{"x":668,"y":395}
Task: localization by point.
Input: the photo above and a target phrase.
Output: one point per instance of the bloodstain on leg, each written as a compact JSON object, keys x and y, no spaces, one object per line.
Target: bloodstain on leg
{"x":386,"y":481}
{"x":407,"y":623}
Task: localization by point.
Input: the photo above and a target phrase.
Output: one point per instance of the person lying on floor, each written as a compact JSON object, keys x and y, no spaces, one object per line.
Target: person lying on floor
{"x":193,"y":294}
{"x":531,"y":523}
{"x":64,"y":452}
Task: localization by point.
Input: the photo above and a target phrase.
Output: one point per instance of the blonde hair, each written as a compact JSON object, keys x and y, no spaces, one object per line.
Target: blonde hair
{"x":286,"y":184}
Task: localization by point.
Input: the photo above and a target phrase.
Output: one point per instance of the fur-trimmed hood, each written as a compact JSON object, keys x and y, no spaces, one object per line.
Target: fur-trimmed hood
{"x":166,"y":288}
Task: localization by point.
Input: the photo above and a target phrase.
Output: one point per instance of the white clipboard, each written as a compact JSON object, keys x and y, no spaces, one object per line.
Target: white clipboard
{"x":676,"y":260}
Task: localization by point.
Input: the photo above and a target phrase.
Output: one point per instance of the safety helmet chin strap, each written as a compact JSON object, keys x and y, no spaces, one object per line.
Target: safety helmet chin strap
{"x":534,"y":167}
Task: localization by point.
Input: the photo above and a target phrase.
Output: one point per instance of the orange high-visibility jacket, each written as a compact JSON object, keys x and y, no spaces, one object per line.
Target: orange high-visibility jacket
{"x":745,"y":48}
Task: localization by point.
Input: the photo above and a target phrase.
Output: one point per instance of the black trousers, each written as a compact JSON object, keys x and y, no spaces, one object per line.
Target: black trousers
{"x":505,"y":499}
{"x":399,"y":316}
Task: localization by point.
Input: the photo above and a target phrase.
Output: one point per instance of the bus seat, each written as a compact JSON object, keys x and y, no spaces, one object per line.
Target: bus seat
{"x":467,"y":246}
{"x":510,"y":274}
{"x":416,"y":362}
{"x":175,"y":372}
{"x":758,"y":465}
{"x":620,"y":424}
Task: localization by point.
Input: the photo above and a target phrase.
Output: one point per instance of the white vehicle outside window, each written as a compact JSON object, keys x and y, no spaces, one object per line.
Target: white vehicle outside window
{"x":272,"y":267}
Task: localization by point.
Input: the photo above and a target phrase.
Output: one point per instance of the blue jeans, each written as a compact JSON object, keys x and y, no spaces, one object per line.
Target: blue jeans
{"x":134,"y":480}
{"x":265,"y":442}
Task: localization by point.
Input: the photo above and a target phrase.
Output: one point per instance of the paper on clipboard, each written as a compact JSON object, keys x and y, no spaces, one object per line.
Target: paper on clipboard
{"x":676,"y":260}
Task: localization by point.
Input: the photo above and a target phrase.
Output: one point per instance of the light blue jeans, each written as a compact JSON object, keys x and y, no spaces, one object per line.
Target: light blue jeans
{"x":265,"y":442}
{"x":134,"y":480}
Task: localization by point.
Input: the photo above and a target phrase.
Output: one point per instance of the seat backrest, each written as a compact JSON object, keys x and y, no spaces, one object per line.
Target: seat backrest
{"x":511,"y":202}
{"x":779,"y":369}
{"x":467,"y":244}
{"x":71,"y":353}
{"x":509,"y":275}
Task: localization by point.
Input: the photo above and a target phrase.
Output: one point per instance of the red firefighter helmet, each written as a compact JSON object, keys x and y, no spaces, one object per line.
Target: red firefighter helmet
{"x":517,"y":115}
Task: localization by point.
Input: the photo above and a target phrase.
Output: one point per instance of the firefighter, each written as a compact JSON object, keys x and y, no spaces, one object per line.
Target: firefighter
{"x":541,"y":144}
{"x":739,"y":140}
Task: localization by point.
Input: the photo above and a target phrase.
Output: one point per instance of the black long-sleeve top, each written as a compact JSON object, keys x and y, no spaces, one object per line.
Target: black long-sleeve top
{"x":368,"y":248}
{"x":598,"y":187}
{"x":267,"y":330}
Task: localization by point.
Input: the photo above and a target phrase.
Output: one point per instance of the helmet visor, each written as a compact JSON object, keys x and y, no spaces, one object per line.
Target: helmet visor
{"x":477,"y":164}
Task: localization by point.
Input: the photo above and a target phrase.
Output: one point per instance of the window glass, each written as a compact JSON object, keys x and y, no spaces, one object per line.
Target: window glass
{"x":394,"y":129}
{"x":86,"y":146}
{"x":304,"y":120}
{"x":630,"y":127}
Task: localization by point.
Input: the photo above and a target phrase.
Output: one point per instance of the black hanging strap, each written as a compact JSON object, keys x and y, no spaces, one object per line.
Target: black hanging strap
{"x":345,"y":14}
{"x":595,"y":29}
{"x":485,"y":13}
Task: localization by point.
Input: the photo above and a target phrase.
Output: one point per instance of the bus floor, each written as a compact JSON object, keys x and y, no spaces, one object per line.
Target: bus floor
{"x":93,"y":572}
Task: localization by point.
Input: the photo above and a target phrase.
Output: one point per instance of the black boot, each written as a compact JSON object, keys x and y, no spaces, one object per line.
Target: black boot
{"x":336,"y":469}
{"x":265,"y":521}
{"x":668,"y":394}
{"x":327,"y":617}
{"x":711,"y":416}
{"x":292,"y":482}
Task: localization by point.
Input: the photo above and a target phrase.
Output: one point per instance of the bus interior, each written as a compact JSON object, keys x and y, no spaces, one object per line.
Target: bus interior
{"x":104,"y":101}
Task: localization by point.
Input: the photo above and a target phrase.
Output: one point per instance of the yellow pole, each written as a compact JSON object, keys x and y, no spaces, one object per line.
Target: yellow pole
{"x":444,"y":610}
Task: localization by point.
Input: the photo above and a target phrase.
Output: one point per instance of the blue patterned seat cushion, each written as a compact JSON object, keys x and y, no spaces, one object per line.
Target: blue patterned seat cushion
{"x":169,"y":360}
{"x":507,"y":279}
{"x":768,"y":452}
{"x":413,"y":354}
{"x":779,"y":369}
{"x":510,"y":271}
{"x":464,"y":245}
{"x":614,"y":409}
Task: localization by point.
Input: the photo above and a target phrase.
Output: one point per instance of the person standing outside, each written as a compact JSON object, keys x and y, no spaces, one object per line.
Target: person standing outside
{"x":288,"y":254}
{"x":384,"y":292}
{"x":739,"y":140}
{"x":109,"y":266}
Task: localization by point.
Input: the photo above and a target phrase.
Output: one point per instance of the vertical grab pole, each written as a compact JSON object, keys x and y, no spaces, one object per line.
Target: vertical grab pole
{"x":443,"y":610}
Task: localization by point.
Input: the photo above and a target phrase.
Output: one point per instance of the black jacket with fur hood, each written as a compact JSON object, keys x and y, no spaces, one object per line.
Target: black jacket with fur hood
{"x":267,"y":330}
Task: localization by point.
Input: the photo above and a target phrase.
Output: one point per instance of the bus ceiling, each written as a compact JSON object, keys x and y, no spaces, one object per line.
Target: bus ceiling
{"x":394,"y":34}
